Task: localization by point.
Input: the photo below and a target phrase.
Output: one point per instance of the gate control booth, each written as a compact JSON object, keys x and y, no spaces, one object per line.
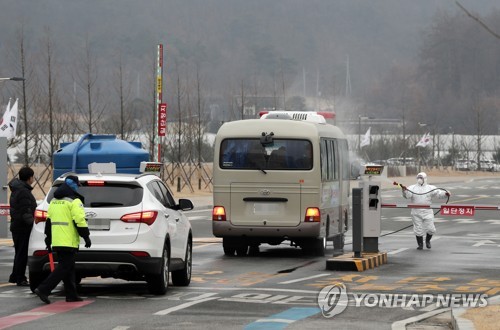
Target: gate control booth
{"x":366,"y":215}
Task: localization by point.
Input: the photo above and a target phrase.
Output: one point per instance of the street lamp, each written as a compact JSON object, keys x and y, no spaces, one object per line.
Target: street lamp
{"x":13,"y":79}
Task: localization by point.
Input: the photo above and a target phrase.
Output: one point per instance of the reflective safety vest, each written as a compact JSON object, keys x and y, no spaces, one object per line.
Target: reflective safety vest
{"x":65,"y":214}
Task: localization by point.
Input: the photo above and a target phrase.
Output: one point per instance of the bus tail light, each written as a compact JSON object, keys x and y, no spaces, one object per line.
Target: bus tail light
{"x":219,"y":213}
{"x":147,"y":217}
{"x":312,"y":215}
{"x":40,"y":216}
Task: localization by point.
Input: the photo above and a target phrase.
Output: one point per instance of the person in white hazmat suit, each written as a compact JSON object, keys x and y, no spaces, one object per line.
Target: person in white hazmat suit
{"x":423,"y":219}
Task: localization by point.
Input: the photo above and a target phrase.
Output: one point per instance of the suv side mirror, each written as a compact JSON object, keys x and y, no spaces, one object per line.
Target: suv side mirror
{"x":185,"y":204}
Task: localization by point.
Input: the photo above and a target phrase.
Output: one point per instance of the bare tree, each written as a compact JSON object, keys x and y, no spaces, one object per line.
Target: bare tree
{"x":122,"y":97}
{"x":51,"y":81}
{"x":242,"y":100}
{"x":87,"y":80}
{"x":199,"y":98}
{"x":121,"y":121}
{"x":479,"y":20}
{"x":179,"y":95}
{"x":28,"y":74}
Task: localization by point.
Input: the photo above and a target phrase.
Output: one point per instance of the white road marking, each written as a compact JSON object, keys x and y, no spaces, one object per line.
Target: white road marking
{"x":203,"y":245}
{"x":183,"y":306}
{"x":397,"y":251}
{"x":304,"y":279}
{"x":485,"y":242}
{"x":493,"y":222}
{"x":276,"y":320}
{"x":121,"y":327}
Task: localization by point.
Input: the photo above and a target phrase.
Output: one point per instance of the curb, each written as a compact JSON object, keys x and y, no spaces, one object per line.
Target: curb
{"x":347,"y":262}
{"x":401,"y":325}
{"x":458,"y":322}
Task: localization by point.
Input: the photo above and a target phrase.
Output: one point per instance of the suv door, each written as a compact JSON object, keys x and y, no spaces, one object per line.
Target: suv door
{"x":167,"y":215}
{"x":182,"y":223}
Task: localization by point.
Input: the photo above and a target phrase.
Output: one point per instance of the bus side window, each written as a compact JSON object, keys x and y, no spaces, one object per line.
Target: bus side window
{"x":335,"y":155}
{"x":324,"y":161}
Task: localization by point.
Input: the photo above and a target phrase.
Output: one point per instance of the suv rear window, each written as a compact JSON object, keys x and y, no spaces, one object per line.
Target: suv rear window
{"x":108,"y":195}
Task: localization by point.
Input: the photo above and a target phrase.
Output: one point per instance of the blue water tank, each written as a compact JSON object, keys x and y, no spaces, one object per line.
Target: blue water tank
{"x":76,"y":156}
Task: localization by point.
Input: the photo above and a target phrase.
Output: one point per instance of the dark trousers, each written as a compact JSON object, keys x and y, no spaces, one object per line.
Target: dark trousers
{"x":21,"y":241}
{"x":65,"y":271}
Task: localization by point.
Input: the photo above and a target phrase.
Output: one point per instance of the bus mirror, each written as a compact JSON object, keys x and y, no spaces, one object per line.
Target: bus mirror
{"x":266,"y":138}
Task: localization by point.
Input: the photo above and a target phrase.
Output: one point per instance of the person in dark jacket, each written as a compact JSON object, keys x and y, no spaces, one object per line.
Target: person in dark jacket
{"x":65,"y":224}
{"x":22,"y":209}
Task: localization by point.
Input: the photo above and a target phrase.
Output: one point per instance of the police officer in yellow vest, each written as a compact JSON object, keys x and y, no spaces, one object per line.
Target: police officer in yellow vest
{"x":65,"y":224}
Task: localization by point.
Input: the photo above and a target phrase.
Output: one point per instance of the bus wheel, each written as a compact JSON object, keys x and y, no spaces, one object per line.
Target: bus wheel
{"x":320,"y":246}
{"x":315,"y":246}
{"x":254,"y":250}
{"x":228,"y":247}
{"x":338,"y":245}
{"x":338,"y":242}
{"x":242,"y":251}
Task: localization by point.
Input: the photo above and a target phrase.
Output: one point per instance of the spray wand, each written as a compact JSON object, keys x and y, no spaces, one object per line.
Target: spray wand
{"x":425,"y":193}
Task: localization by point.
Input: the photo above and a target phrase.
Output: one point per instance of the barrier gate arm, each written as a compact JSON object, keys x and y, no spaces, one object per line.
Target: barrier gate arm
{"x":439,"y":206}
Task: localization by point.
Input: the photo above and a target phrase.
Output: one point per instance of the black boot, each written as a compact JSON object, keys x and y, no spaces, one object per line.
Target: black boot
{"x":428,"y":241}
{"x":420,"y":242}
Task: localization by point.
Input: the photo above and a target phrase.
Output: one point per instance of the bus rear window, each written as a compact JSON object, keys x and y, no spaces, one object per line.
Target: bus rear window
{"x":282,"y":154}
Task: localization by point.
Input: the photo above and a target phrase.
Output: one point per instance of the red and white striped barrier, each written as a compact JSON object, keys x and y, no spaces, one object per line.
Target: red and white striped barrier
{"x":4,"y":209}
{"x":446,"y":209}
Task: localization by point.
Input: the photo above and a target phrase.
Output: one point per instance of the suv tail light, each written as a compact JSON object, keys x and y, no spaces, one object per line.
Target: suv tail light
{"x":95,"y":183}
{"x":40,"y":216}
{"x":219,"y":213}
{"x":312,"y":215}
{"x":40,"y":253}
{"x":147,"y":217}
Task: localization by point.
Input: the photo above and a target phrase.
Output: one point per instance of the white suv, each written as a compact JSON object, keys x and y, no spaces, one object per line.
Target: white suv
{"x":138,"y":232}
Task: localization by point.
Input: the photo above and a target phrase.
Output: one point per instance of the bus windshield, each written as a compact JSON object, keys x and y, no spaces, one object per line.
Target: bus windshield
{"x":281,"y":154}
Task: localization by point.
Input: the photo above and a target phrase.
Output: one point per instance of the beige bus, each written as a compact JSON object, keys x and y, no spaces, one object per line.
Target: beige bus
{"x":284,"y":177}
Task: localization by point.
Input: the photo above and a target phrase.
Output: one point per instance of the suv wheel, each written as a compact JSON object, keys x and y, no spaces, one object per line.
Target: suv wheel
{"x":158,"y":284}
{"x":182,"y":277}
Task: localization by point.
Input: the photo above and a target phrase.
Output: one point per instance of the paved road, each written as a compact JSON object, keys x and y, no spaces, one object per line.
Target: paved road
{"x":279,"y":286}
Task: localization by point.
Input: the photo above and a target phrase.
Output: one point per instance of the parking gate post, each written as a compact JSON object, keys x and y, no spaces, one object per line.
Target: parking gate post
{"x":372,"y":202}
{"x":357,"y":221}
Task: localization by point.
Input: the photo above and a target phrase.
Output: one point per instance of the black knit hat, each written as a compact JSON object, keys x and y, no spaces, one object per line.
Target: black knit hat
{"x":75,"y":179}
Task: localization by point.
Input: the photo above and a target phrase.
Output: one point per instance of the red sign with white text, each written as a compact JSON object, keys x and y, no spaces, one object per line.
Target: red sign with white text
{"x":162,"y":119}
{"x":457,"y":210}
